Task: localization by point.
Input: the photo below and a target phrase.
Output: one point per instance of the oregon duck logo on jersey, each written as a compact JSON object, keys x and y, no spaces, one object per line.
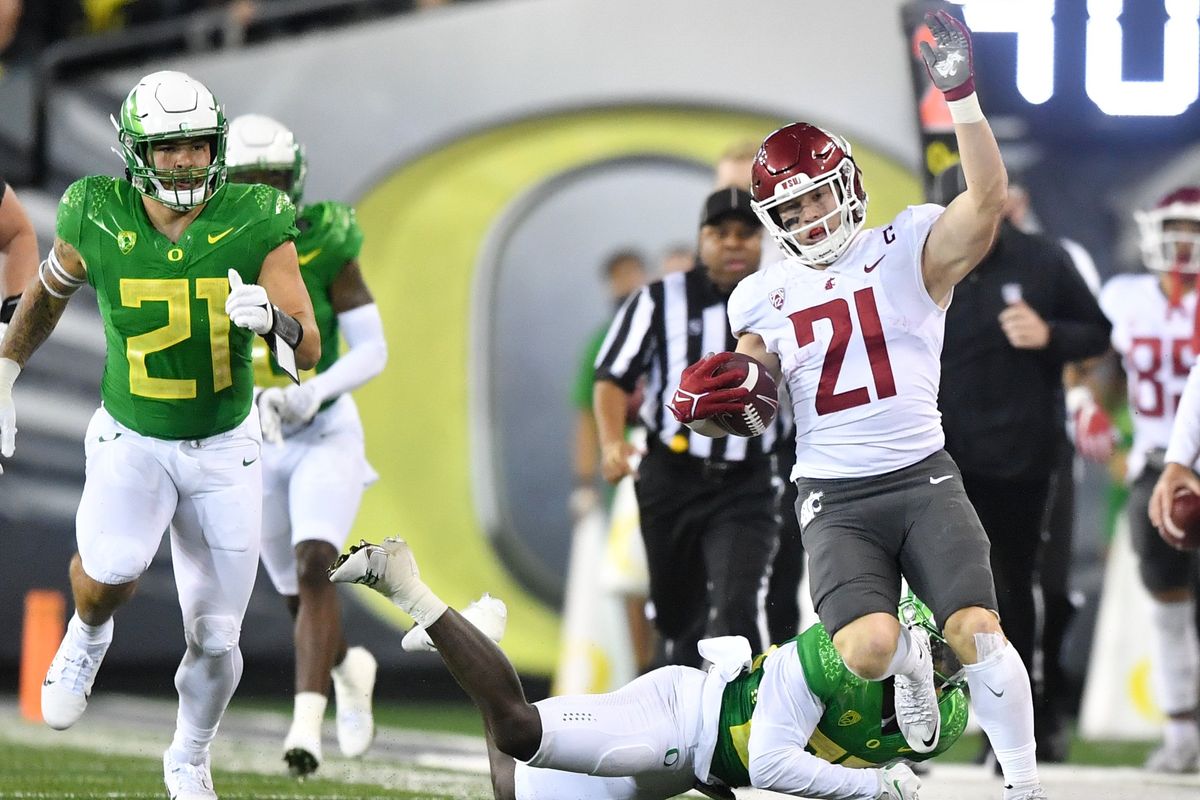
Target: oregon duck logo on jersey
{"x":125,"y":241}
{"x":849,"y":718}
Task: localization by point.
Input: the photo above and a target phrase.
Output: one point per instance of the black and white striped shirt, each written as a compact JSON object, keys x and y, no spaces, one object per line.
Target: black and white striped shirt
{"x":658,"y":332}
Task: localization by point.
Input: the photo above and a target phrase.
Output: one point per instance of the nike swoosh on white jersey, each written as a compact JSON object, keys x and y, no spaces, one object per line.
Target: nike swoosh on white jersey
{"x":936,"y":481}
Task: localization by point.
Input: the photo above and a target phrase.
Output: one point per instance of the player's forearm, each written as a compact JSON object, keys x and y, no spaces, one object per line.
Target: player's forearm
{"x":985,"y":174}
{"x":587,"y":448}
{"x":35,"y":318}
{"x":798,"y":772}
{"x":308,"y":352}
{"x":609,"y":402}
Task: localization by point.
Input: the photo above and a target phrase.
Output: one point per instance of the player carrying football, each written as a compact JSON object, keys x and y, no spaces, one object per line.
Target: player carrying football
{"x":187,"y":269}
{"x":854,"y":320}
{"x":792,"y":720}
{"x":314,"y":465}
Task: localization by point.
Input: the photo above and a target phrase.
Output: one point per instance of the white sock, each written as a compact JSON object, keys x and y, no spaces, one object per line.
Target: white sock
{"x":1181,"y":734}
{"x":420,"y":603}
{"x":1176,"y":663}
{"x":308,"y":711}
{"x":92,"y":635}
{"x":907,"y":657}
{"x":205,"y":685}
{"x":1003,"y":702}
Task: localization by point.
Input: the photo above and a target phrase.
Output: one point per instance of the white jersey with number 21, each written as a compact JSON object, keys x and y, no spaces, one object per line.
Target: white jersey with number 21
{"x":860,"y":345}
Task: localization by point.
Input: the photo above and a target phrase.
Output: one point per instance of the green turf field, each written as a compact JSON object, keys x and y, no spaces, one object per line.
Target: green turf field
{"x":424,"y":750}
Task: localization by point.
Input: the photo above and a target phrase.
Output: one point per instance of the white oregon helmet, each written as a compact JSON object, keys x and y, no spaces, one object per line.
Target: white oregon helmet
{"x":170,"y":105}
{"x":258,"y":143}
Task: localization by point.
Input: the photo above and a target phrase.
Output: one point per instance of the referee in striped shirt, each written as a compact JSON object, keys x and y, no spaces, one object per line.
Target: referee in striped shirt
{"x":708,"y":507}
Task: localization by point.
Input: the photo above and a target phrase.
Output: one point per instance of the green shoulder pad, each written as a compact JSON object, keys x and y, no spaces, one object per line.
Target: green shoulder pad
{"x":332,"y":227}
{"x":82,"y":200}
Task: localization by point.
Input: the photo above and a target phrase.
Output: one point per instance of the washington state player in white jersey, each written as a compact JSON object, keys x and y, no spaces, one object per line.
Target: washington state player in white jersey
{"x":853,"y":320}
{"x":1155,"y":329}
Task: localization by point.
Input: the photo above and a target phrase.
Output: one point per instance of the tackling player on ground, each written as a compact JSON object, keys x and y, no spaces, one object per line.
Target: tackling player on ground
{"x":314,"y":464}
{"x":792,"y":720}
{"x":182,"y":295}
{"x":854,"y":320}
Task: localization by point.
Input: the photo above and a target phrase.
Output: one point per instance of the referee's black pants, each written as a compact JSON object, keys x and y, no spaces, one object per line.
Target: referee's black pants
{"x":1012,"y":513}
{"x":710,"y":530}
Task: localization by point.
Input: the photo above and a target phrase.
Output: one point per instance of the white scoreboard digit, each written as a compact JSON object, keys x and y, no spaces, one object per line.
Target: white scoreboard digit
{"x":1033,"y":23}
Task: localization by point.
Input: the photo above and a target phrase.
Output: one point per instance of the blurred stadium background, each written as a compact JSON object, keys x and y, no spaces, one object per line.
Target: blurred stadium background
{"x":497,"y":151}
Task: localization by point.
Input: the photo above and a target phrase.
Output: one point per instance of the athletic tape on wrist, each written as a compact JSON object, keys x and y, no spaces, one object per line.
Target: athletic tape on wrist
{"x":966,"y":110}
{"x":287,"y":328}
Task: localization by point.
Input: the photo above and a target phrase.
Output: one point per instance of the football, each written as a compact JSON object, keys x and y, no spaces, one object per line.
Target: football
{"x":761,"y":406}
{"x":1185,"y":513}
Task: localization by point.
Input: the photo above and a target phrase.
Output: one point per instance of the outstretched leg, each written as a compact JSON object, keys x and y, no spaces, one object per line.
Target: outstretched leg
{"x":479,"y":666}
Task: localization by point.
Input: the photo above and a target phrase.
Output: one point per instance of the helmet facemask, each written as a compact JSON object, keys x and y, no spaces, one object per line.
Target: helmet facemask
{"x":171,"y":107}
{"x":1170,"y":233}
{"x":850,"y":211}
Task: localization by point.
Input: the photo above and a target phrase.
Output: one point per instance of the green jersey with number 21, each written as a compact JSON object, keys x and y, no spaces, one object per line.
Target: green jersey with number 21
{"x":174,"y":366}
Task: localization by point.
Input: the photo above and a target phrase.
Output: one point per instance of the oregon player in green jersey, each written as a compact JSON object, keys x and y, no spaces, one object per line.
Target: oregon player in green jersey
{"x":186,"y":270}
{"x":314,"y":465}
{"x":793,"y":720}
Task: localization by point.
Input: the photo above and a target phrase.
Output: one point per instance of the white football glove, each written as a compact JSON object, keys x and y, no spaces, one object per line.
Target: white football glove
{"x":300,"y":404}
{"x":270,"y":403}
{"x":9,"y":370}
{"x":248,"y":306}
{"x":897,"y":782}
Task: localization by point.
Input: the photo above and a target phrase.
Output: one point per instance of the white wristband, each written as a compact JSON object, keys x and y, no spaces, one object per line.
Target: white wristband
{"x":1079,"y":397}
{"x":966,"y":109}
{"x":9,"y":370}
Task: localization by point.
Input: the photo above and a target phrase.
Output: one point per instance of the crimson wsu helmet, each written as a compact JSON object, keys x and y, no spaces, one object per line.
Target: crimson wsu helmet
{"x":795,"y":160}
{"x":1164,"y":250}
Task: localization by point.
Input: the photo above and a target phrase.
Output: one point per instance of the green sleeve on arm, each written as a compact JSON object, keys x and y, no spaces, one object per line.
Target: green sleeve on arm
{"x":581,"y":394}
{"x":71,"y":209}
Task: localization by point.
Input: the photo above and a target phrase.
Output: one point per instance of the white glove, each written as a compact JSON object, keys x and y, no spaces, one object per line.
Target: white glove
{"x":300,"y":404}
{"x":270,"y":404}
{"x":248,"y":306}
{"x":9,"y":370}
{"x":897,"y":782}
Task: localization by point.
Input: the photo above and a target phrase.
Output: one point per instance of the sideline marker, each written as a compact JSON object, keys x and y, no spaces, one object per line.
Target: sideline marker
{"x":42,"y":632}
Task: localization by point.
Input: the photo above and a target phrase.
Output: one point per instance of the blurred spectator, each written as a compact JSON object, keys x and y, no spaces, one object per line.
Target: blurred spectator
{"x":733,"y":167}
{"x":1015,"y":321}
{"x":624,"y":272}
{"x":679,"y":258}
{"x":707,"y":507}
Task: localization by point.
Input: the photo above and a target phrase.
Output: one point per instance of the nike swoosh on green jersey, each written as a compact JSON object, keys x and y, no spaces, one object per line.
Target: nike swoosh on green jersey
{"x":304,"y":258}
{"x":213,"y":239}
